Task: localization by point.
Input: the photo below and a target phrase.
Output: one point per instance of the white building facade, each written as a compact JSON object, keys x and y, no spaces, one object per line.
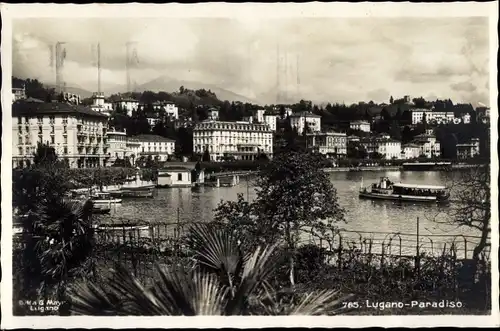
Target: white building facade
{"x":410,"y":151}
{"x":300,"y":120}
{"x":18,"y":93}
{"x":429,"y":146}
{"x":157,"y":147}
{"x":238,"y":140}
{"x":271,"y":120}
{"x":360,"y":125}
{"x":77,"y":133}
{"x":129,"y":105}
{"x":331,"y":144}
{"x":431,"y":117}
{"x":469,"y":149}
{"x":100,"y":105}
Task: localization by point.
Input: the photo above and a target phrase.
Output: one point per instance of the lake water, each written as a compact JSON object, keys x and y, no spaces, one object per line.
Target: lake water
{"x":184,"y":205}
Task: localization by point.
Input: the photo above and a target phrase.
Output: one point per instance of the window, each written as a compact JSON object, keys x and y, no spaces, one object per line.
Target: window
{"x":179,"y":176}
{"x":65,"y":150}
{"x":52,"y":140}
{"x":65,"y":139}
{"x":19,"y":120}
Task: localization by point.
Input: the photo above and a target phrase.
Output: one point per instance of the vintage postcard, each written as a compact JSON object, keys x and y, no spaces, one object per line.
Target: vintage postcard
{"x":249,"y":165}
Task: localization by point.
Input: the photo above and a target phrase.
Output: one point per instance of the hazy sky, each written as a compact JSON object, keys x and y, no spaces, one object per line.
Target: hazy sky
{"x":339,"y":59}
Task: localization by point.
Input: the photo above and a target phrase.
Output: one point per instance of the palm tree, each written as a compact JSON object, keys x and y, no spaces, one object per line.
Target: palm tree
{"x":223,"y":281}
{"x":58,"y":240}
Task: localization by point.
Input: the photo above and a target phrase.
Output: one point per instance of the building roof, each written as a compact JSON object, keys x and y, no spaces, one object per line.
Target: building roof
{"x":152,"y":137}
{"x":304,"y":114}
{"x":35,"y":107}
{"x":411,"y":145}
{"x":360,"y":122}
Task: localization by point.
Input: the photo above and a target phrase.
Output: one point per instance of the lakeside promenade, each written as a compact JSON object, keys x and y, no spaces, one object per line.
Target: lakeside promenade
{"x":342,"y":169}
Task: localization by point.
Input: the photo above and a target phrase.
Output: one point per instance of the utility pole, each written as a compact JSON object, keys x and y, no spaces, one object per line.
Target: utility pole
{"x":127,"y":65}
{"x":298,"y":80}
{"x":60,"y":57}
{"x":99,"y":67}
{"x":131,"y":61}
{"x":278,"y":87}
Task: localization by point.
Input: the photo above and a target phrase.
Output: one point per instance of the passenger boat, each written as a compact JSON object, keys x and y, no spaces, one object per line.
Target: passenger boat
{"x":103,"y":199}
{"x":387,"y":190}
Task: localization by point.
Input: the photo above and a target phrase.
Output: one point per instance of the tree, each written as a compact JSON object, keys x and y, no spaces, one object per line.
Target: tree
{"x":45,"y":155}
{"x":471,"y":189}
{"x":407,"y":135}
{"x":294,"y":197}
{"x":391,"y":100}
{"x":395,"y":131}
{"x":206,"y":156}
{"x":225,"y":280}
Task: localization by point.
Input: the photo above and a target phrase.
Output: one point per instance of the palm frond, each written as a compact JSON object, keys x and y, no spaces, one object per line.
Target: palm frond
{"x":92,"y":299}
{"x":257,"y":268}
{"x":217,"y":249}
{"x":326,"y":302}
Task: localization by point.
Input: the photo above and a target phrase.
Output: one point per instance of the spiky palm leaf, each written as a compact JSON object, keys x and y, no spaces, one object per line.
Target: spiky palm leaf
{"x":199,"y":291}
{"x":217,"y":250}
{"x":326,"y":302}
{"x":62,"y":231}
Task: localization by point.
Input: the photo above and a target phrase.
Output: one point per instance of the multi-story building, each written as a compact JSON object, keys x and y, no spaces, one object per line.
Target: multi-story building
{"x":133,"y":149}
{"x":331,"y":144}
{"x":170,"y":108}
{"x":213,"y":114}
{"x":429,"y":146}
{"x":360,"y":125}
{"x":240,"y":140}
{"x":271,"y":120}
{"x":127,"y":104}
{"x":259,"y":115}
{"x":466,"y":118}
{"x":384,"y":145}
{"x":77,"y":133}
{"x":410,"y":151}
{"x":117,"y":142}
{"x":155,"y":146}
{"x":432,"y":117}
{"x":300,"y":120}
{"x":72,"y":98}
{"x":18,"y":93}
{"x":100,"y":105}
{"x":469,"y":149}
{"x":120,"y":146}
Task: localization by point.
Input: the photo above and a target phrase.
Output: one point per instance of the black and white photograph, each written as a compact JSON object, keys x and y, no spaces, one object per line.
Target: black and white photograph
{"x":334,"y":162}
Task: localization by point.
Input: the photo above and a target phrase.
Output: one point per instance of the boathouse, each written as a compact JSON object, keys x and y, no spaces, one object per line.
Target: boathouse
{"x":180,"y":174}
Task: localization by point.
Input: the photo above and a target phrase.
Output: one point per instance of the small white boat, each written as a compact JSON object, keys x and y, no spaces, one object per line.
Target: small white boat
{"x":103,"y":199}
{"x":387,"y":190}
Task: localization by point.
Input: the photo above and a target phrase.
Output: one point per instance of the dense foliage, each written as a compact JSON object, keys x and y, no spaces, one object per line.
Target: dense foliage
{"x":294,"y":197}
{"x":225,"y":279}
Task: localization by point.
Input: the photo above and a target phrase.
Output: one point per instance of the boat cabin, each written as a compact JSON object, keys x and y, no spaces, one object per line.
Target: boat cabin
{"x":419,"y":190}
{"x":101,"y":196}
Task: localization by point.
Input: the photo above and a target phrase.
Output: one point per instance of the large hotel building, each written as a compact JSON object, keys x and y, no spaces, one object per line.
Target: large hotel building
{"x":77,"y":133}
{"x":240,"y":140}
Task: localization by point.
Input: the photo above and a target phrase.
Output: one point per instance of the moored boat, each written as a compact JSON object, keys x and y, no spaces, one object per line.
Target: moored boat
{"x":387,"y":190}
{"x":101,"y":210}
{"x":125,"y":193}
{"x":103,"y":199}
